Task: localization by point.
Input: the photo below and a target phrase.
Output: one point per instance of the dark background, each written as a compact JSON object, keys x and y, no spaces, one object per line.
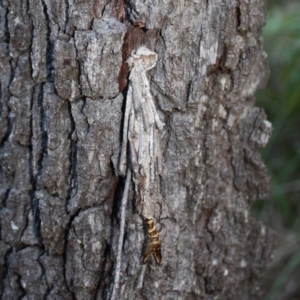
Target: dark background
{"x":281,"y":101}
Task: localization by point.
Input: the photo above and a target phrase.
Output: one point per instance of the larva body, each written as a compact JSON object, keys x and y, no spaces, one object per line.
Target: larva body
{"x":153,"y":245}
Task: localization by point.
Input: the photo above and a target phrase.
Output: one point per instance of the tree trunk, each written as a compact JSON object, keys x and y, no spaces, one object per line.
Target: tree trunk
{"x":64,"y":81}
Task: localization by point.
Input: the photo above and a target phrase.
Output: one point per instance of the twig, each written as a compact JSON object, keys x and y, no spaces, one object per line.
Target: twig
{"x":121,"y":236}
{"x":141,"y":278}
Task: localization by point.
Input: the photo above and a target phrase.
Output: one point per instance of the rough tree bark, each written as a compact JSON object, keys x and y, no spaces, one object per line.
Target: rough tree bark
{"x":63,"y":84}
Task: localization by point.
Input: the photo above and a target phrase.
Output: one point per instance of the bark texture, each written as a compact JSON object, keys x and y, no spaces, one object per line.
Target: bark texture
{"x":63,"y":77}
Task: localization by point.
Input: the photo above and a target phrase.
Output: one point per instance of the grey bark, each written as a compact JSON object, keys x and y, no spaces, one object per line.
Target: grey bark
{"x":63,"y":81}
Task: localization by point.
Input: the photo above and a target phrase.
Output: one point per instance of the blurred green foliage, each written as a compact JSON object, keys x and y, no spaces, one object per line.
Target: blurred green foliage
{"x":281,"y":101}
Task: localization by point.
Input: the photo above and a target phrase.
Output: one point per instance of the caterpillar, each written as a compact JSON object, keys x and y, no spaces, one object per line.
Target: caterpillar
{"x":153,"y":243}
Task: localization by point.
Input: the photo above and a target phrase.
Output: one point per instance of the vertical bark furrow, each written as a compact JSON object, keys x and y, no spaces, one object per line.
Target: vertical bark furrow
{"x":5,"y":251}
{"x":49,"y":43}
{"x":73,"y":181}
